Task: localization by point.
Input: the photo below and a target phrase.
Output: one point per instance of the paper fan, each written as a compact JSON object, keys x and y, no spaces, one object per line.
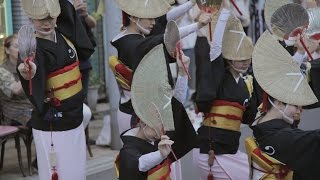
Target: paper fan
{"x":210,"y":6}
{"x":313,"y":30}
{"x":278,"y":74}
{"x":289,"y":20}
{"x":40,"y":9}
{"x":171,"y":37}
{"x":144,"y":8}
{"x":270,"y":7}
{"x":151,"y":92}
{"x":27,"y":41}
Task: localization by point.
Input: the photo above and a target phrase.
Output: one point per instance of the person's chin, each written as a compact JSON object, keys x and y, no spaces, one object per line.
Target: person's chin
{"x":45,"y":33}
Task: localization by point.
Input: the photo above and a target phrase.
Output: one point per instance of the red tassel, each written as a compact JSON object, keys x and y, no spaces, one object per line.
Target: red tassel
{"x":264,"y":102}
{"x":210,"y":176}
{"x":54,"y":175}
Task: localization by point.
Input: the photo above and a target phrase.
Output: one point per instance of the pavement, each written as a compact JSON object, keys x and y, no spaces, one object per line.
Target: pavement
{"x":97,"y":166}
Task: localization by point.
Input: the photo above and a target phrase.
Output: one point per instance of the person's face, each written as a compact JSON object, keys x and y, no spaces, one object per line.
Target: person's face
{"x":241,"y":65}
{"x":292,"y":111}
{"x":13,"y":50}
{"x":152,"y":134}
{"x":145,"y":23}
{"x":45,"y":26}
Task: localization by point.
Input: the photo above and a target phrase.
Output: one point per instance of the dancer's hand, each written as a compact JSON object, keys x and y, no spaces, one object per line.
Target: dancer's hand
{"x":204,"y":19}
{"x":185,"y":60}
{"x":81,"y":7}
{"x":226,"y":4}
{"x":24,"y":69}
{"x":164,"y":146}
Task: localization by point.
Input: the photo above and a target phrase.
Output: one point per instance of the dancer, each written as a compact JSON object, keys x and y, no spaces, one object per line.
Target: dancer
{"x":50,"y":76}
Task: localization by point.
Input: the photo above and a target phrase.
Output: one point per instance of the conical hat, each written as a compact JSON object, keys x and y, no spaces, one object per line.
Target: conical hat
{"x":40,"y":9}
{"x":144,"y":8}
{"x":286,"y":19}
{"x":270,"y":7}
{"x":171,"y":37}
{"x":278,"y":74}
{"x":151,"y":92}
{"x":236,"y":46}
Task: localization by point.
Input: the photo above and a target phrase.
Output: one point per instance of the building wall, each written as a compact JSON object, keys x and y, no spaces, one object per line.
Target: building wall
{"x":19,"y":18}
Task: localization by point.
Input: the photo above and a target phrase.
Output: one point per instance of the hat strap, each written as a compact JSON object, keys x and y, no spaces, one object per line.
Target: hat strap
{"x":300,"y":80}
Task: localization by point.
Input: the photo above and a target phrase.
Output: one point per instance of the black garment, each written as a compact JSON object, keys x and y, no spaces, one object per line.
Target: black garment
{"x":86,"y":64}
{"x":160,"y":26}
{"x":51,"y":56}
{"x":131,"y":50}
{"x":290,"y":49}
{"x":214,"y":82}
{"x":298,"y":149}
{"x":133,"y":148}
{"x":315,"y":82}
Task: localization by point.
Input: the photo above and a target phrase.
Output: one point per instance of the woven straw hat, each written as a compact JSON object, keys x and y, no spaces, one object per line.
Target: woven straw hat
{"x":270,"y":7}
{"x":151,"y":92}
{"x":144,"y":8}
{"x":171,"y":37}
{"x":236,"y":46}
{"x":286,"y":19}
{"x":40,"y":9}
{"x":278,"y":74}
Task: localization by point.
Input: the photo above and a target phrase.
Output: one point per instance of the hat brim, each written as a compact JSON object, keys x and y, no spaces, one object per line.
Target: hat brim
{"x":278,"y":74}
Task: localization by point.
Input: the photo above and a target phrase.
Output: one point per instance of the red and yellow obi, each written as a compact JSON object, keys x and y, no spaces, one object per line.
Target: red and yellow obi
{"x":262,"y":162}
{"x":122,"y":73}
{"x":64,"y":83}
{"x":160,"y":172}
{"x":224,"y":115}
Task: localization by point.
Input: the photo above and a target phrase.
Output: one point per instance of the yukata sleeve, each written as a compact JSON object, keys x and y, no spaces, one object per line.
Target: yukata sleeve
{"x":300,"y":151}
{"x":313,"y":75}
{"x":216,"y":46}
{"x":181,"y":88}
{"x":177,"y":11}
{"x":69,"y":24}
{"x":38,"y":81}
{"x":150,"y":160}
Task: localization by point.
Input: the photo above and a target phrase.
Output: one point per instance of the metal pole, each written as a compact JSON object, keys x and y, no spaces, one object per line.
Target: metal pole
{"x":111,"y":26}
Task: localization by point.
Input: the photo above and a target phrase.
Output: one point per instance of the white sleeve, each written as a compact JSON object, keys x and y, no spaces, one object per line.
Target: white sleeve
{"x":150,"y":160}
{"x":216,"y":45}
{"x":177,"y":11}
{"x":181,"y":88}
{"x":186,"y":30}
{"x":300,"y":57}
